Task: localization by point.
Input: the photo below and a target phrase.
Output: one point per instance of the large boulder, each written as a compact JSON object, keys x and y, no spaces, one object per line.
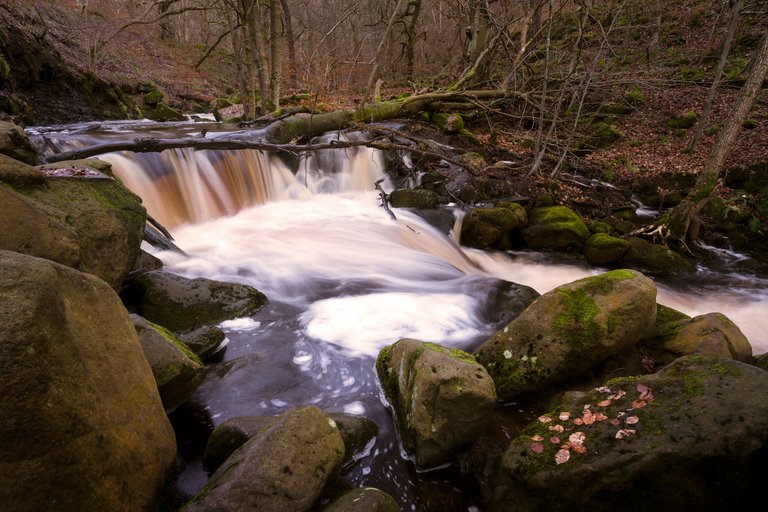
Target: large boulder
{"x":655,"y":259}
{"x":283,"y":467}
{"x":555,"y":227}
{"x":602,"y":248}
{"x":442,"y":398}
{"x":19,"y":174}
{"x":488,"y":227}
{"x":712,"y":333}
{"x":177,"y":370}
{"x":181,"y":304}
{"x":569,"y":330}
{"x":692,"y":437}
{"x":413,"y":198}
{"x":15,"y":143}
{"x":81,"y":423}
{"x":357,"y":432}
{"x":92,"y":224}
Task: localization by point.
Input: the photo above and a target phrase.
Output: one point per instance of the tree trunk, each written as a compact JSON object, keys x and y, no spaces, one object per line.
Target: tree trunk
{"x":413,"y":9}
{"x":380,"y":49}
{"x":737,"y":7}
{"x":292,"y":75}
{"x":274,"y":54}
{"x":679,"y":218}
{"x":256,"y":35}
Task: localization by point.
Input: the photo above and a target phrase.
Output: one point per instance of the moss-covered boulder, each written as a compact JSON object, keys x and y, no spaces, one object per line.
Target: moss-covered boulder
{"x":231,"y":435}
{"x":761,"y":361}
{"x":713,"y":334}
{"x":15,"y":143}
{"x":442,"y":398}
{"x":682,"y":122}
{"x":81,"y":423}
{"x":16,"y":173}
{"x":153,"y":97}
{"x":488,"y":227}
{"x":601,"y":136}
{"x":413,"y":198}
{"x":568,"y":331}
{"x":655,"y":259}
{"x":283,"y":467}
{"x":448,"y":123}
{"x":177,"y":370}
{"x":365,"y":499}
{"x":163,"y":112}
{"x":602,"y":249}
{"x":204,"y":341}
{"x":555,"y":227}
{"x":692,"y":436}
{"x":98,"y":218}
{"x":181,"y":304}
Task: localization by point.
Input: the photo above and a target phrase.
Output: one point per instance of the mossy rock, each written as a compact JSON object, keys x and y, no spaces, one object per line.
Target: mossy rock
{"x":152,"y":98}
{"x":601,"y":136}
{"x":448,"y":123}
{"x":366,"y":499}
{"x":683,"y":122}
{"x":656,"y":259}
{"x":704,"y":416}
{"x":19,"y":174}
{"x":15,"y":143}
{"x":5,"y":69}
{"x":205,"y":341}
{"x":413,"y":198}
{"x":163,"y":112}
{"x":441,"y":398}
{"x":761,"y":361}
{"x":489,"y":227}
{"x":231,"y":435}
{"x":568,"y":331}
{"x":601,"y":227}
{"x":634,"y":96}
{"x":181,"y":304}
{"x":602,"y":249}
{"x":555,"y":227}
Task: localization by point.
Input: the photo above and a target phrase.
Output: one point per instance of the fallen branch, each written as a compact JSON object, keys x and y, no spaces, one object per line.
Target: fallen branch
{"x":384,"y":198}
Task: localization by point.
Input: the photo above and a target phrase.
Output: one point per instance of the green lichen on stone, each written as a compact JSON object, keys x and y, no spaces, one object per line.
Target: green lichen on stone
{"x":576,"y":324}
{"x":454,"y":353}
{"x":153,"y":97}
{"x":173,"y":340}
{"x":665,"y":314}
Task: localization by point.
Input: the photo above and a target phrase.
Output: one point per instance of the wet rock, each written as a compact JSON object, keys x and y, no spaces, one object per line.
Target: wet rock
{"x":506,"y":301}
{"x":704,"y":416}
{"x":102,"y":217}
{"x":231,"y":435}
{"x":448,"y":123}
{"x":181,"y":304}
{"x":366,"y":499}
{"x":413,"y":198}
{"x":356,"y":431}
{"x":569,"y":330}
{"x":655,"y":259}
{"x":488,"y":227}
{"x":19,"y":174}
{"x":602,"y":248}
{"x":284,"y":467}
{"x":442,"y":398}
{"x":163,"y":112}
{"x":147,"y":261}
{"x":555,"y":227}
{"x":204,"y":342}
{"x":15,"y":143}
{"x":81,"y":422}
{"x":713,"y":334}
{"x":177,"y":370}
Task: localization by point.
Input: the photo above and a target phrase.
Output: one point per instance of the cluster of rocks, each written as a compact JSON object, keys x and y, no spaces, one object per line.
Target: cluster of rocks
{"x":628,"y":389}
{"x":87,"y":386}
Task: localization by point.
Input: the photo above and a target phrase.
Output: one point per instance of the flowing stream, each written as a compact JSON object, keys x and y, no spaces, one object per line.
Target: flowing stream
{"x":344,"y":280}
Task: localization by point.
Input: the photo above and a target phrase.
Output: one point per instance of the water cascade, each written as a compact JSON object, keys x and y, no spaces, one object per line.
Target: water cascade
{"x":344,"y":280}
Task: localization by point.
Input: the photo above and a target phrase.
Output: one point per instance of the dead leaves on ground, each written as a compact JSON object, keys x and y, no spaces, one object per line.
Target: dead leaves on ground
{"x":588,"y":417}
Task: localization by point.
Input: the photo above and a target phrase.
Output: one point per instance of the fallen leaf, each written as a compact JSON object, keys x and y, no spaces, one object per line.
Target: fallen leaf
{"x":617,"y":395}
{"x":615,"y":422}
{"x":637,"y":404}
{"x":642,"y":388}
{"x":624,"y":433}
{"x":545,"y":419}
{"x":600,"y":417}
{"x":564,"y":416}
{"x":577,"y":438}
{"x":554,"y":440}
{"x":588,"y":418}
{"x":631,"y":420}
{"x":537,"y":438}
{"x":604,"y":403}
{"x":556,"y":428}
{"x":604,"y":389}
{"x":562,"y":456}
{"x":537,"y":447}
{"x":620,"y":414}
{"x":577,"y":421}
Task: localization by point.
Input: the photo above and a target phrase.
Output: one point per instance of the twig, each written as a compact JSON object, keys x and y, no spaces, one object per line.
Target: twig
{"x":384,"y":198}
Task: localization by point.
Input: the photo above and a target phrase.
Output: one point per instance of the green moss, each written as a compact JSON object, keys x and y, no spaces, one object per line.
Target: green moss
{"x":173,"y":340}
{"x":576,"y":324}
{"x":454,"y":353}
{"x":683,"y":122}
{"x":665,"y":314}
{"x":603,"y":136}
{"x":749,"y":124}
{"x":167,"y":373}
{"x":5,"y":69}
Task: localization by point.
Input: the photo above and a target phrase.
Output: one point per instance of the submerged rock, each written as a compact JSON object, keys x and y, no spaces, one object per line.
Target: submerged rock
{"x":357,"y":433}
{"x":181,"y":304}
{"x":205,"y":341}
{"x":283,"y":467}
{"x":555,"y":227}
{"x":177,"y":370}
{"x":692,"y":436}
{"x":81,"y":422}
{"x":488,"y":227}
{"x":366,"y":499}
{"x":442,"y":398}
{"x":567,"y":331}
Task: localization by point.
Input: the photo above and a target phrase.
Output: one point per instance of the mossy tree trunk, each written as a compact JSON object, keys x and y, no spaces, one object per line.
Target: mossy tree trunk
{"x":679,"y":218}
